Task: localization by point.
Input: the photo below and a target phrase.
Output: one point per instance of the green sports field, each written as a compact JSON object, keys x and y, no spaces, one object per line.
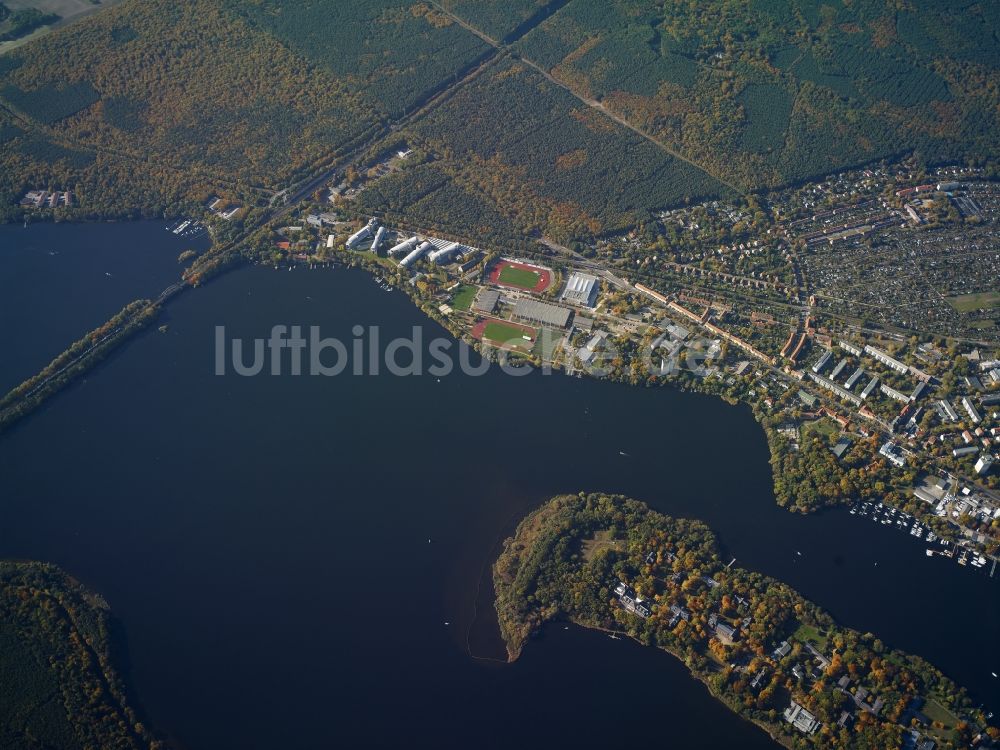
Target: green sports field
{"x":521,"y":277}
{"x":463,"y":297}
{"x":510,"y":336}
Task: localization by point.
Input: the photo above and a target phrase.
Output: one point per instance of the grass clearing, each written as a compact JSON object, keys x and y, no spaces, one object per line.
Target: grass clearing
{"x":824,"y":429}
{"x":966,"y":303}
{"x":936,"y":712}
{"x":547,"y":343}
{"x":811,"y":634}
{"x":602,"y":540}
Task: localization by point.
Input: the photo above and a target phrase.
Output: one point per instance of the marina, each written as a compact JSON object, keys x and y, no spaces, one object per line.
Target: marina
{"x":187,"y":228}
{"x":899,"y":520}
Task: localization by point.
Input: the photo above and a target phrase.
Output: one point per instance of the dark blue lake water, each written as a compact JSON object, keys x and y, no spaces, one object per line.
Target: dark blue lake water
{"x":263,"y":541}
{"x":60,"y":281}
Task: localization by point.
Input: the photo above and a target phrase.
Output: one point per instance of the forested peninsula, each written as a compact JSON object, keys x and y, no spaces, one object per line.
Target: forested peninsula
{"x":771,"y":656}
{"x":57,"y":684}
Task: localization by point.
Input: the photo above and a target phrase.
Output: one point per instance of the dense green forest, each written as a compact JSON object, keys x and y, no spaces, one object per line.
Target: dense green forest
{"x":498,"y":19}
{"x":186,"y":85}
{"x":59,"y":688}
{"x":565,"y":560}
{"x":538,"y":156}
{"x":148,"y":108}
{"x":393,"y":54}
{"x":771,"y":91}
{"x":17,"y":23}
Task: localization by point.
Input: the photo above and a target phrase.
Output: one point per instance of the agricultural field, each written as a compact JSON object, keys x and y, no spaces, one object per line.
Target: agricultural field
{"x":792,"y":89}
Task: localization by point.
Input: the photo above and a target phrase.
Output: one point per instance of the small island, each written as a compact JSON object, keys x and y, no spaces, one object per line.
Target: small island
{"x":57,"y":685}
{"x":776,"y":659}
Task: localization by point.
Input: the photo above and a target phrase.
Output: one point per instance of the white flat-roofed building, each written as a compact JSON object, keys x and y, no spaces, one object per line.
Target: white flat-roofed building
{"x":415,"y":255}
{"x":377,"y":242}
{"x":581,"y":289}
{"x":984,"y":464}
{"x":541,"y":313}
{"x":823,"y":362}
{"x":892,"y":452}
{"x":855,"y":377}
{"x":362,"y":234}
{"x":894,"y":394}
{"x":801,"y":719}
{"x":404,"y":247}
{"x":887,"y":360}
{"x":872,"y":384}
{"x":850,"y":348}
{"x":834,"y":388}
{"x":678,"y":332}
{"x":971,"y":410}
{"x":947,"y":411}
{"x":586,"y":353}
{"x":444,"y":252}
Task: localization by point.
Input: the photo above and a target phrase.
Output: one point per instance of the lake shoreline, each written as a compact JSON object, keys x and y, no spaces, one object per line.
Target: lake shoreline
{"x":342,"y":293}
{"x":546,"y":568}
{"x":513,"y":656}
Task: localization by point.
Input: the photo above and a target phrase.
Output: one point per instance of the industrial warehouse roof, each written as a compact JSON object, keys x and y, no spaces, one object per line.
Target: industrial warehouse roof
{"x":580,"y":289}
{"x":486,"y":300}
{"x":541,"y":312}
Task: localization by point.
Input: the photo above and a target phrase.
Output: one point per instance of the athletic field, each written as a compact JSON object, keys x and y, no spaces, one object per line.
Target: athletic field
{"x":506,"y":335}
{"x":521,"y":276}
